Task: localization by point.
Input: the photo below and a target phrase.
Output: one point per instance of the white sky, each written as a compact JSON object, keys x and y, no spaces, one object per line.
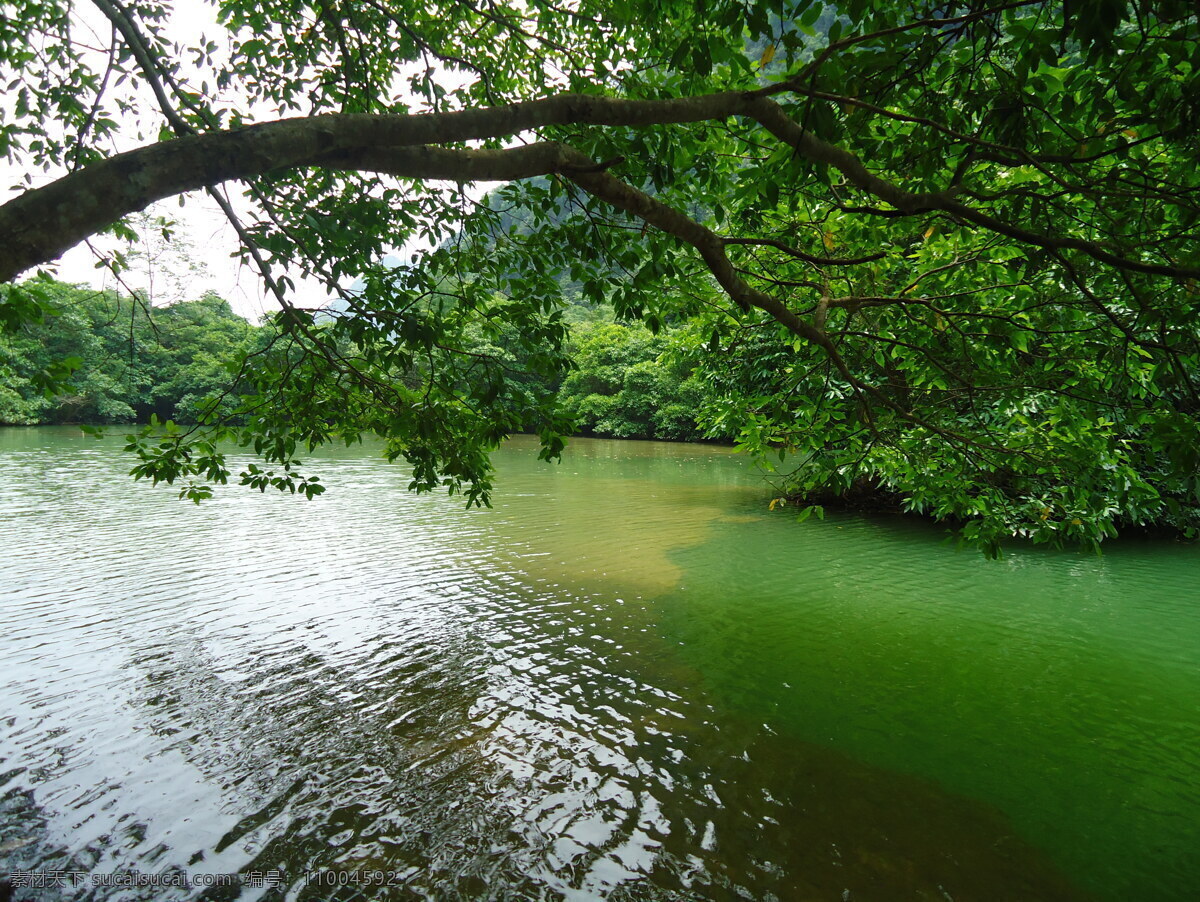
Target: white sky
{"x":203,"y":234}
{"x":202,"y":256}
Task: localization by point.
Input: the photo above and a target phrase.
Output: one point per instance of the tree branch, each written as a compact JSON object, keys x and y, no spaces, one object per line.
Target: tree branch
{"x":41,"y":224}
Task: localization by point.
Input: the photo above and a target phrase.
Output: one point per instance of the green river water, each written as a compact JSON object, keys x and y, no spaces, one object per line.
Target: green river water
{"x":627,"y":680}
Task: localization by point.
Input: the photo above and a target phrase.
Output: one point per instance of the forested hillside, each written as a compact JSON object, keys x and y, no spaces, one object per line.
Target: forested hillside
{"x":100,"y":357}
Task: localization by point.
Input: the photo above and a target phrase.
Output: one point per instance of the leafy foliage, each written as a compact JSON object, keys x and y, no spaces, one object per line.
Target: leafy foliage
{"x":943,"y":252}
{"x":629,"y":383}
{"x":86,"y":356}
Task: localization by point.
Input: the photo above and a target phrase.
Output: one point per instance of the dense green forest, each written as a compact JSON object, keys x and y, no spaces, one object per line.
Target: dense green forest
{"x":126,"y":361}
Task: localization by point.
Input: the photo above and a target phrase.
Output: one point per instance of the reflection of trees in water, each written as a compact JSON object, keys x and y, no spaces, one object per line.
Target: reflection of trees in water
{"x":26,"y":845}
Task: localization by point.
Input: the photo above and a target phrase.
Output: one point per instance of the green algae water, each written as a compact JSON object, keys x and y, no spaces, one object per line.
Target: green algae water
{"x":627,"y":680}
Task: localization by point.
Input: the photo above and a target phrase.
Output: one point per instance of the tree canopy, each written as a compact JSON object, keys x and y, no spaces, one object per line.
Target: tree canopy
{"x":119,"y":361}
{"x":943,"y":251}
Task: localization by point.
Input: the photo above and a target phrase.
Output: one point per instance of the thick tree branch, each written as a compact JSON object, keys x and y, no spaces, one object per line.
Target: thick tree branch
{"x":41,"y":224}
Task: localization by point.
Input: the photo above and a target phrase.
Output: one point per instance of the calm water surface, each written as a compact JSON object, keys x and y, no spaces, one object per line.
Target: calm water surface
{"x":627,"y":681}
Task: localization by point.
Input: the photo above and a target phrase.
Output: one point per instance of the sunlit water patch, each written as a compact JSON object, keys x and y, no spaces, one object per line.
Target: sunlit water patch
{"x":628,"y":680}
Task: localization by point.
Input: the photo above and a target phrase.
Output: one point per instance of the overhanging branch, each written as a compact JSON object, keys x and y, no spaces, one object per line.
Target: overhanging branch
{"x":38,"y":226}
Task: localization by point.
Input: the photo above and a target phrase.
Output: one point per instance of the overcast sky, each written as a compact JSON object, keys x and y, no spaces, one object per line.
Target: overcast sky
{"x":204,"y":237}
{"x":202,"y":256}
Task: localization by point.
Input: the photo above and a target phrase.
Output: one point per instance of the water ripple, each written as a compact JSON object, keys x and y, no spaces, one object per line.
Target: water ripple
{"x":517,"y":703}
